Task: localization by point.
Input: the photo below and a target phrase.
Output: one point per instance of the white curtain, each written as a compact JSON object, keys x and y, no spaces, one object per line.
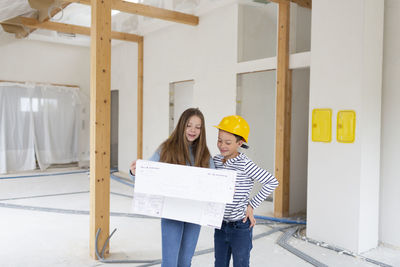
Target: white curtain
{"x":16,"y":136}
{"x":41,"y":121}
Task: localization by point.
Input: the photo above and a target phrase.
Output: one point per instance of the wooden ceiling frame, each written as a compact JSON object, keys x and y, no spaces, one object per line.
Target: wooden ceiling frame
{"x":19,"y":24}
{"x":67,"y":28}
{"x":148,"y":11}
{"x":21,"y":32}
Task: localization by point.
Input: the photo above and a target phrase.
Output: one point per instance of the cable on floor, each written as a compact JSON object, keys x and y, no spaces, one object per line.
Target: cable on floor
{"x":121,"y":180}
{"x":44,"y":174}
{"x":267,"y":221}
{"x":281,"y":220}
{"x":283,"y":242}
{"x":48,"y":195}
{"x":298,"y":235}
{"x":70,"y":211}
{"x":158,"y":261}
{"x":114,"y":177}
{"x":100,"y":257}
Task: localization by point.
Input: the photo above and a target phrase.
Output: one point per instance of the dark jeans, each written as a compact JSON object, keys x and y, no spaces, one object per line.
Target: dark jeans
{"x":234,"y":238}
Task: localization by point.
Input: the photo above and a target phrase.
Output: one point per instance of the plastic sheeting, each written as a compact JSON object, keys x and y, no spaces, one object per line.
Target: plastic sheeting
{"x":38,"y":122}
{"x":12,"y":8}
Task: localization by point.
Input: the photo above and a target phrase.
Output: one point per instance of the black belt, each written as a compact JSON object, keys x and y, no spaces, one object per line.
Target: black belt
{"x":232,"y":223}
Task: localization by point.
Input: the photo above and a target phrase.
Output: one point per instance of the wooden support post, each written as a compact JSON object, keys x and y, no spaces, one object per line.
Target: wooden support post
{"x":140,"y":101}
{"x":283,"y":114}
{"x":100,"y":98}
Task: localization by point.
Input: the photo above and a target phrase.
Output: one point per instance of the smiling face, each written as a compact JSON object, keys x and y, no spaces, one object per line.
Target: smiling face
{"x":228,"y":144}
{"x":193,"y":129}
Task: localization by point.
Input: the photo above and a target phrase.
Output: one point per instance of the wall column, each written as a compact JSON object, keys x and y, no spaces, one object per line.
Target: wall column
{"x":346,"y":74}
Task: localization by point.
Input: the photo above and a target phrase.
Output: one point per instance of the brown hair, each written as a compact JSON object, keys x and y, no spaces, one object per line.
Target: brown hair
{"x":175,"y":149}
{"x":240,"y":138}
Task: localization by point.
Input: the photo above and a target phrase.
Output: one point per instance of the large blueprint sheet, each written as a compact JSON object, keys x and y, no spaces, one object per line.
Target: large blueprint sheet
{"x":184,"y":193}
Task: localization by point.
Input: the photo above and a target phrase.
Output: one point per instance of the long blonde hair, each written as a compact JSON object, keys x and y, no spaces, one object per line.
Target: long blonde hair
{"x":175,"y":149}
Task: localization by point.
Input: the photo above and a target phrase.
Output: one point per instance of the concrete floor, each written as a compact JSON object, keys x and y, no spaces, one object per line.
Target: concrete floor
{"x":30,"y":237}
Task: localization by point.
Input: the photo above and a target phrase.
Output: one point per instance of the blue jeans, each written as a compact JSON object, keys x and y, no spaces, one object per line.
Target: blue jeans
{"x":234,"y":238}
{"x":179,"y":241}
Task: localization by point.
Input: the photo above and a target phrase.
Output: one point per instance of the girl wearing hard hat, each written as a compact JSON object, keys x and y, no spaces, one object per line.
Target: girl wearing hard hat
{"x":235,"y":236}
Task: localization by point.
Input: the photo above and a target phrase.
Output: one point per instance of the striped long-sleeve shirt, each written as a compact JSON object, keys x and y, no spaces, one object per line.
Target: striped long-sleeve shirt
{"x":246,"y":173}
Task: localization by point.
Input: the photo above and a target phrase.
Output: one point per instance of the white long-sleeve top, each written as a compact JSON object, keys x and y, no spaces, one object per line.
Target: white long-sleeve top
{"x":246,"y":173}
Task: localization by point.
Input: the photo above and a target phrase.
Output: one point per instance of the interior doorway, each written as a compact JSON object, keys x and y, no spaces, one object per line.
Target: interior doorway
{"x":180,"y":98}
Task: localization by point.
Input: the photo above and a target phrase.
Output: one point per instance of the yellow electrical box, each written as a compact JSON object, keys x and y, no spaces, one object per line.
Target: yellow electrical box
{"x":321,"y":125}
{"x":346,"y":126}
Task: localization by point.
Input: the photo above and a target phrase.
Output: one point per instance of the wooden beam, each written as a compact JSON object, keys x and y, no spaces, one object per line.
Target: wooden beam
{"x":22,"y":32}
{"x":149,"y":11}
{"x":303,"y":3}
{"x":67,"y":28}
{"x":283,"y":114}
{"x":100,"y":99}
{"x":42,"y":6}
{"x":41,"y":83}
{"x":140,"y":102}
{"x":155,"y":12}
{"x":18,"y":30}
{"x":53,"y":12}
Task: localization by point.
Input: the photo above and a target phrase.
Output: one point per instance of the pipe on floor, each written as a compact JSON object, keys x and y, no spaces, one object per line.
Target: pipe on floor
{"x":43,"y":174}
{"x":101,"y":257}
{"x":283,"y":242}
{"x":336,"y":249}
{"x":281,"y":220}
{"x":70,"y":211}
{"x":153,"y":262}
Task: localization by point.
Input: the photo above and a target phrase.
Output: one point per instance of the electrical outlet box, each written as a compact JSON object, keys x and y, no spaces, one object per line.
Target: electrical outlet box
{"x":346,"y":126}
{"x":321,"y":125}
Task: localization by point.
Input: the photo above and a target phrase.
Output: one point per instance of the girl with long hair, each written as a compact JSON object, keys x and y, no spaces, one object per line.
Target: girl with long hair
{"x":186,"y":146}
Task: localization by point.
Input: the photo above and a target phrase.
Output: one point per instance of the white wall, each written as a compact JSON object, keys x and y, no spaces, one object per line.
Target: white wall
{"x":390,"y":146}
{"x":35,"y":61}
{"x":300,"y":29}
{"x":299,"y":141}
{"x":256,"y":103}
{"x":300,"y":41}
{"x":124,"y":62}
{"x":257,"y":31}
{"x":346,"y":67}
{"x":205,"y":53}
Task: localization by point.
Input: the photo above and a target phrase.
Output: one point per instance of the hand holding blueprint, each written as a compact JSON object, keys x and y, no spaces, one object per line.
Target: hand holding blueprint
{"x":184,"y":193}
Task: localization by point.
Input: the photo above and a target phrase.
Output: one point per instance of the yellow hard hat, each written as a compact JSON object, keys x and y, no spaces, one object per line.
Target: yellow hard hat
{"x":235,"y":124}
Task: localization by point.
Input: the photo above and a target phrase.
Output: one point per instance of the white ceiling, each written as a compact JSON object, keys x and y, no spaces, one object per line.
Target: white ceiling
{"x":78,"y":14}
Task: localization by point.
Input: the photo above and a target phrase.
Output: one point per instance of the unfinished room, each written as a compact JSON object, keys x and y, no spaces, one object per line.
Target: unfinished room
{"x":201,"y":133}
